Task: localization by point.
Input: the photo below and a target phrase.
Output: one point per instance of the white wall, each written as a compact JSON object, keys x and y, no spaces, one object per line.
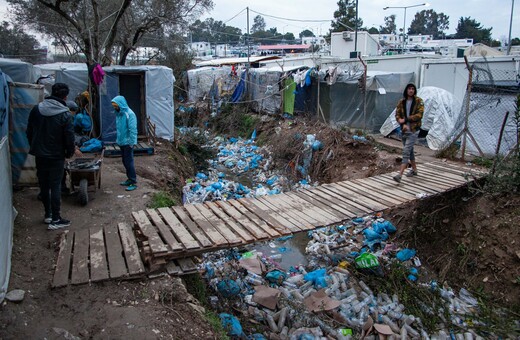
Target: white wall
{"x":366,"y":44}
{"x":452,"y":74}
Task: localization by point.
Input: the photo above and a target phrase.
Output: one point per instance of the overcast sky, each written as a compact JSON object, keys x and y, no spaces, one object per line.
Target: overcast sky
{"x":490,"y":13}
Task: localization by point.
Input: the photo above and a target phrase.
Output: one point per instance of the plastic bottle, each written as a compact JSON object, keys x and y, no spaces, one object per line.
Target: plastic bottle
{"x":365,"y":287}
{"x":395,"y":315}
{"x":391,"y":324}
{"x":349,"y":299}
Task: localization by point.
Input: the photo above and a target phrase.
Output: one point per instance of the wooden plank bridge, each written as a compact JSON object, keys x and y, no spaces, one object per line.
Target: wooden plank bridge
{"x":170,"y":236}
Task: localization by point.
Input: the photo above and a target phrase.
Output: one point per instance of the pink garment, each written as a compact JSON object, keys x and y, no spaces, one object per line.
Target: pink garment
{"x":98,"y":74}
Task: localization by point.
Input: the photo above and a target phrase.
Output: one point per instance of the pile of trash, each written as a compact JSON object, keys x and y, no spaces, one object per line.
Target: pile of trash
{"x":326,"y":297}
{"x":243,"y":161}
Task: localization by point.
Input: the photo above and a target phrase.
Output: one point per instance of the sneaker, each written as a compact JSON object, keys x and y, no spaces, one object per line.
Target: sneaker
{"x":131,"y":187}
{"x":126,"y":183}
{"x":397,"y":178}
{"x":47,"y":219}
{"x":411,"y":173}
{"x":59,"y":224}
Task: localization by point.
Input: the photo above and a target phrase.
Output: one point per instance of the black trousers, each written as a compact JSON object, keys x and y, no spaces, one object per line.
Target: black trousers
{"x":50,"y":174}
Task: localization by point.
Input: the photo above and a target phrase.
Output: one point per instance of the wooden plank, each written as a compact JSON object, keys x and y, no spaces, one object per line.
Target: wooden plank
{"x":318,"y":203}
{"x":80,"y":273}
{"x":182,"y":234}
{"x":115,"y":254}
{"x":218,"y":224}
{"x":316,"y":215}
{"x":325,"y":204}
{"x":278,"y":219}
{"x":98,"y":260}
{"x":246,"y":236}
{"x":61,"y":273}
{"x":258,"y":221}
{"x":164,"y":230}
{"x":332,"y":202}
{"x":378,"y":189}
{"x":242,"y":220}
{"x":187,"y":265}
{"x":192,"y":227}
{"x":279,"y":207}
{"x":342,"y":202}
{"x":323,"y":208}
{"x":425,"y":182}
{"x":409,"y":185}
{"x":363,"y":191}
{"x":456,"y":169}
{"x":297,"y":211}
{"x":361,"y":201}
{"x":172,"y":268}
{"x":156,"y":243}
{"x":409,"y":188}
{"x":375,"y":189}
{"x":205,"y":226}
{"x":268,"y":216}
{"x":130,"y":249}
{"x":439,"y":178}
{"x":317,"y":211}
{"x":447,"y":176}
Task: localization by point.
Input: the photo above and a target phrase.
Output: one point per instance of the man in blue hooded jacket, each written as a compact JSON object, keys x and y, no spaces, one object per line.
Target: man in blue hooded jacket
{"x":126,"y":127}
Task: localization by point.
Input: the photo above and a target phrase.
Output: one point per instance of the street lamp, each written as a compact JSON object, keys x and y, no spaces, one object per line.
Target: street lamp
{"x":404,"y":21}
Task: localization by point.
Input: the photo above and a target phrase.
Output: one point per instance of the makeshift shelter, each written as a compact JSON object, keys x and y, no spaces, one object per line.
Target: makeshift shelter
{"x":202,"y":80}
{"x":345,"y":102}
{"x":19,"y":71}
{"x":148,"y":91}
{"x":6,"y":199}
{"x":441,"y":112}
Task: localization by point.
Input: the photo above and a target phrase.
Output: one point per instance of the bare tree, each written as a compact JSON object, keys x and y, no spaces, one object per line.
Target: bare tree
{"x":97,"y":28}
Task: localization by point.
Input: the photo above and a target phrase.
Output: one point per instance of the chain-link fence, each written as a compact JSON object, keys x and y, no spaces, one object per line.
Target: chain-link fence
{"x":486,"y":126}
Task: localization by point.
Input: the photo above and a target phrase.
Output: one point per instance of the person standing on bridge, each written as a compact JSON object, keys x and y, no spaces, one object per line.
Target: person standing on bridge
{"x":409,"y":113}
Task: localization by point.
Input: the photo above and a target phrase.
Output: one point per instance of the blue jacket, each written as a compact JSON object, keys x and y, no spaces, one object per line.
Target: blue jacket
{"x":126,"y":123}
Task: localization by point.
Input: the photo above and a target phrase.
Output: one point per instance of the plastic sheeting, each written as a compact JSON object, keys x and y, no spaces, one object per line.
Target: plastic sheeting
{"x":19,"y":71}
{"x":158,"y":93}
{"x":441,"y":112}
{"x":75,"y":75}
{"x":343,"y":102}
{"x":4,"y":105}
{"x":265,"y":90}
{"x":201,"y":80}
{"x":23,"y":98}
{"x":7,"y":220}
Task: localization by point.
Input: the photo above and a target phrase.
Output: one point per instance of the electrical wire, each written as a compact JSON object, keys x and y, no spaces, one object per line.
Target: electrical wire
{"x":288,"y":19}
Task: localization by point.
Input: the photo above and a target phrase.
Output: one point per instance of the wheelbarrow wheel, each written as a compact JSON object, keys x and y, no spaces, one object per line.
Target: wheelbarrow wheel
{"x":83,"y":194}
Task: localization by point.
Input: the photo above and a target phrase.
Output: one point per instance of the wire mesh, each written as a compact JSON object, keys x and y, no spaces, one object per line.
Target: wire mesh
{"x":488,"y":107}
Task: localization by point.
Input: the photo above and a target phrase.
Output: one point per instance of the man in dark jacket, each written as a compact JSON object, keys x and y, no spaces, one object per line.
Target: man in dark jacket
{"x":51,"y":137}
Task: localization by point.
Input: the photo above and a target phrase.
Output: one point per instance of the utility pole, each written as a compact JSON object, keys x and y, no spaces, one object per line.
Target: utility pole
{"x":248,"y":47}
{"x":510,"y":27}
{"x":356,"y":27}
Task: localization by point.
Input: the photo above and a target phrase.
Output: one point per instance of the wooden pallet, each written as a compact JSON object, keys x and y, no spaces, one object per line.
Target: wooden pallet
{"x":141,"y":149}
{"x":97,"y":254}
{"x":166,"y":234}
{"x":104,"y":253}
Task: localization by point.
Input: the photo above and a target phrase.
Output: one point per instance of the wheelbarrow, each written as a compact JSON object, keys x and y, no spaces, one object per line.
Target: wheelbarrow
{"x":85,"y":174}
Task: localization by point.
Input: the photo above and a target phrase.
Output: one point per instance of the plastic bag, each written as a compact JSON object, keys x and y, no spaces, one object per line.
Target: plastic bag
{"x":231,"y":324}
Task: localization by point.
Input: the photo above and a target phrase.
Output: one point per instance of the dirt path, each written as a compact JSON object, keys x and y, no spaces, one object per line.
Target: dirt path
{"x":142,"y":309}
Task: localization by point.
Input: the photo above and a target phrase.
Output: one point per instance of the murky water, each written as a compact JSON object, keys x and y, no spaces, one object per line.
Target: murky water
{"x":286,"y":253}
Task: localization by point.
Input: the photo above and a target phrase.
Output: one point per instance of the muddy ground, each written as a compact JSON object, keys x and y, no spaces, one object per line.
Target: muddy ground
{"x":473,"y":243}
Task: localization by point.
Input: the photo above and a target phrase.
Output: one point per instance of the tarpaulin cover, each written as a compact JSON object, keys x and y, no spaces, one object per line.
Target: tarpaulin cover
{"x":264,"y":88}
{"x":201,"y":80}
{"x":23,"y":98}
{"x":7,"y":220}
{"x":343,"y":102}
{"x":6,"y":199}
{"x":75,"y":75}
{"x":19,"y":71}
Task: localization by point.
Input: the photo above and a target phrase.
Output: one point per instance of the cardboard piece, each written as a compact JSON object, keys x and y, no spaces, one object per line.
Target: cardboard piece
{"x":383,"y":329}
{"x":319,"y":301}
{"x":253,"y":265}
{"x":266,"y":296}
